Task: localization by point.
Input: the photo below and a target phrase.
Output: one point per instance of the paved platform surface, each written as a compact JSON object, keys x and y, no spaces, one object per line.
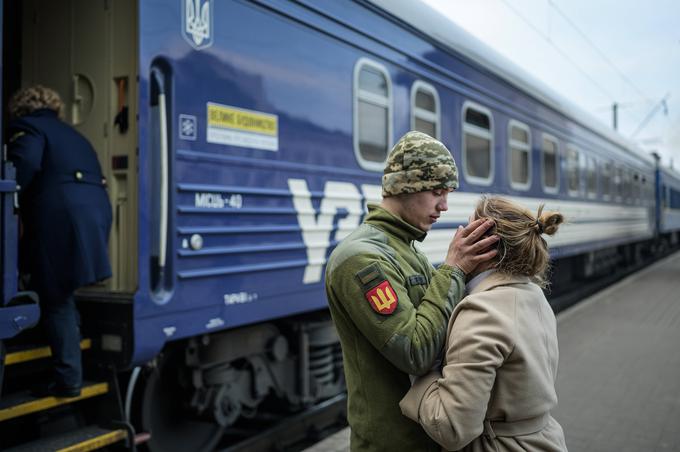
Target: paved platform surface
{"x":619,"y":374}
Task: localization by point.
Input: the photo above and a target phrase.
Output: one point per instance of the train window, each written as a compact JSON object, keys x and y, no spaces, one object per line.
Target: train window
{"x":573,"y":171}
{"x":618,"y":182}
{"x":425,"y":116}
{"x":648,"y":188}
{"x":674,"y":199}
{"x":550,"y":163}
{"x":624,"y":185}
{"x":477,"y":144}
{"x":631,"y":186}
{"x":627,"y":188}
{"x":639,"y":193}
{"x":372,"y":114}
{"x":591,"y":177}
{"x":644,"y":190}
{"x":519,"y":155}
{"x":606,"y":179}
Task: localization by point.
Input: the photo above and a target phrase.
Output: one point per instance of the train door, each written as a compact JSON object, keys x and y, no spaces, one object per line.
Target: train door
{"x":18,"y":310}
{"x":86,"y":50}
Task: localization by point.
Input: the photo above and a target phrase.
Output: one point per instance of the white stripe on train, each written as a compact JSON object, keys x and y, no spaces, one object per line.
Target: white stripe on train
{"x":586,"y":221}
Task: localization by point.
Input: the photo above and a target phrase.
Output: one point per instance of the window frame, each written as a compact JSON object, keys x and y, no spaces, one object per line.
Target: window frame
{"x":627,"y":195}
{"x":520,"y":125}
{"x":415,"y":111}
{"x":375,"y":100}
{"x":637,"y":187}
{"x":589,"y":159}
{"x":558,"y":163}
{"x":646,"y":189}
{"x":618,"y":182}
{"x":479,"y":132}
{"x":572,"y":147}
{"x":605,"y":163}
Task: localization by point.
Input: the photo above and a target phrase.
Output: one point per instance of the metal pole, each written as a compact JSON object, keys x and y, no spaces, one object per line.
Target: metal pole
{"x":615,"y":111}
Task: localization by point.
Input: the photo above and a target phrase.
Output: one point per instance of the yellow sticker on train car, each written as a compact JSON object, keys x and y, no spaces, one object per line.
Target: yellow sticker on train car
{"x":240,"y":127}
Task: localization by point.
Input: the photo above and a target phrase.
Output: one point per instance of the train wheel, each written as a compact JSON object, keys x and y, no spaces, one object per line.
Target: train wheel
{"x":164,"y":412}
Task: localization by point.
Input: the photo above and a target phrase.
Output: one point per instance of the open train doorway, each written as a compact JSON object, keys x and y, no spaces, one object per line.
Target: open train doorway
{"x":87,"y":51}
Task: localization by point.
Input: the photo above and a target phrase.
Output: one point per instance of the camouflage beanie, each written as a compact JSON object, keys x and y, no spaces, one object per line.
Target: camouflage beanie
{"x":418,"y":163}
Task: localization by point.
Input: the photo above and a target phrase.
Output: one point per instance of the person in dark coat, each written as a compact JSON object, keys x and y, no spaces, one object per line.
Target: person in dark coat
{"x":66,"y":218}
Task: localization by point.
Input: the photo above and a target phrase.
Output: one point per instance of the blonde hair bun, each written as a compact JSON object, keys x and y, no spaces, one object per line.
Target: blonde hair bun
{"x":550,"y":222}
{"x":521,"y":250}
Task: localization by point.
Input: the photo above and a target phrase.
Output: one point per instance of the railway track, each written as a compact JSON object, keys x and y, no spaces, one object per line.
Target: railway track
{"x":565,"y":295}
{"x":275,"y":432}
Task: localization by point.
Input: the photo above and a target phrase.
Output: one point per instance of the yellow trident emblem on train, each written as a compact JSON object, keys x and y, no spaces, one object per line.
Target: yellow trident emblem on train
{"x":382,"y":298}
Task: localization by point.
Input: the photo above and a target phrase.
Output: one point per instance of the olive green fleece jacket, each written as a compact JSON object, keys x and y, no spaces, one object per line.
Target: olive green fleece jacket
{"x":381,"y":349}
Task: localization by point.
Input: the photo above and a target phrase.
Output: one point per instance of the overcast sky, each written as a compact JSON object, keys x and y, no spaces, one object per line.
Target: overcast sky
{"x":594,"y":53}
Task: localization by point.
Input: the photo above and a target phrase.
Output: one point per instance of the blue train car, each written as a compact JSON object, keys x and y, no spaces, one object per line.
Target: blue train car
{"x":257,"y":131}
{"x":668,"y":204}
{"x":516,"y":137}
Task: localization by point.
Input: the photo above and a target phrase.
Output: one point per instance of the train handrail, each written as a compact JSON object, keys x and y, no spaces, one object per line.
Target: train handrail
{"x":163,"y":132}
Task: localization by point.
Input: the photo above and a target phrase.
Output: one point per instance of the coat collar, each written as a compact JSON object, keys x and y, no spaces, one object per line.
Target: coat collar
{"x":496,"y":279}
{"x":43,"y":112}
{"x":477,"y":279}
{"x":392,"y":224}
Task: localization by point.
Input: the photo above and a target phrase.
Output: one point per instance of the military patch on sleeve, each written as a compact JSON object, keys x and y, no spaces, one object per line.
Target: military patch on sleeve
{"x":369,"y":274}
{"x":382,"y":298}
{"x":417,"y":280}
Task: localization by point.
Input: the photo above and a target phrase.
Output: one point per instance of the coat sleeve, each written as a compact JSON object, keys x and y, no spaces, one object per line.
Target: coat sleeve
{"x":410,"y":337}
{"x":451,"y":406}
{"x":25,"y":151}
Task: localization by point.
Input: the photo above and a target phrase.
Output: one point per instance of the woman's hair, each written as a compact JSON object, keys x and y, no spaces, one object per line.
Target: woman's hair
{"x":37,"y":97}
{"x":521,"y":249}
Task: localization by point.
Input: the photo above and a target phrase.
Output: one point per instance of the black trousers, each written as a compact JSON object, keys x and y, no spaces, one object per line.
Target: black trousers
{"x":61,"y":321}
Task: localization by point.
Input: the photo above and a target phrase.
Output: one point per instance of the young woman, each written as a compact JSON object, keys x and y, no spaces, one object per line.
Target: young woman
{"x":497,"y":385}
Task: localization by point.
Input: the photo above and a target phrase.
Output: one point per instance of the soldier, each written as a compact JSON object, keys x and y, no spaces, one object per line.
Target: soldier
{"x":389,"y":305}
{"x":66,"y":219}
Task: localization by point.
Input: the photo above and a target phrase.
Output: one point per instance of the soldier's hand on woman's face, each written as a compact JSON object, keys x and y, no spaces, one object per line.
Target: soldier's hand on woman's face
{"x":469,"y":247}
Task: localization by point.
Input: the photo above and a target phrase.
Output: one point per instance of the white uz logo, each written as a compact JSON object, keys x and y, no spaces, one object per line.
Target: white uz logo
{"x":317,"y":228}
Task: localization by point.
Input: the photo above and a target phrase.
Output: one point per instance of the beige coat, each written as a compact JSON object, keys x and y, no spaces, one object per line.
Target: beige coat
{"x":497,"y":386}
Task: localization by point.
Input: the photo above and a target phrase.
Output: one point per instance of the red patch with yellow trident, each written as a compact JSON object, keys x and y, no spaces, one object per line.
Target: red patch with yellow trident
{"x":382,"y":298}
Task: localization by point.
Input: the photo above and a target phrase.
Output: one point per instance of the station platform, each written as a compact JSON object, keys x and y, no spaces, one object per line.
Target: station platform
{"x":619,"y":372}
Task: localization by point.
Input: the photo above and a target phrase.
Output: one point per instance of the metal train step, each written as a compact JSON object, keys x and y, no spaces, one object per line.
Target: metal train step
{"x":22,"y":403}
{"x":88,"y":438}
{"x":31,"y":353}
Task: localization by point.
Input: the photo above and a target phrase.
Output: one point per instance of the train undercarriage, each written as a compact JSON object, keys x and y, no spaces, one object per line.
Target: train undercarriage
{"x":230,"y":389}
{"x":208,"y":392}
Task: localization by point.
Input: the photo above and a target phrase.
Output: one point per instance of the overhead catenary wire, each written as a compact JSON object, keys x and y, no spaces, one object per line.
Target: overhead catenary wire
{"x":597,"y":49}
{"x":561,"y":52}
{"x":650,"y":115}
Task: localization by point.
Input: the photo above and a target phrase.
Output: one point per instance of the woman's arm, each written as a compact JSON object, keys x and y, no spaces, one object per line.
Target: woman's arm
{"x":451,"y":406}
{"x":25,"y":150}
